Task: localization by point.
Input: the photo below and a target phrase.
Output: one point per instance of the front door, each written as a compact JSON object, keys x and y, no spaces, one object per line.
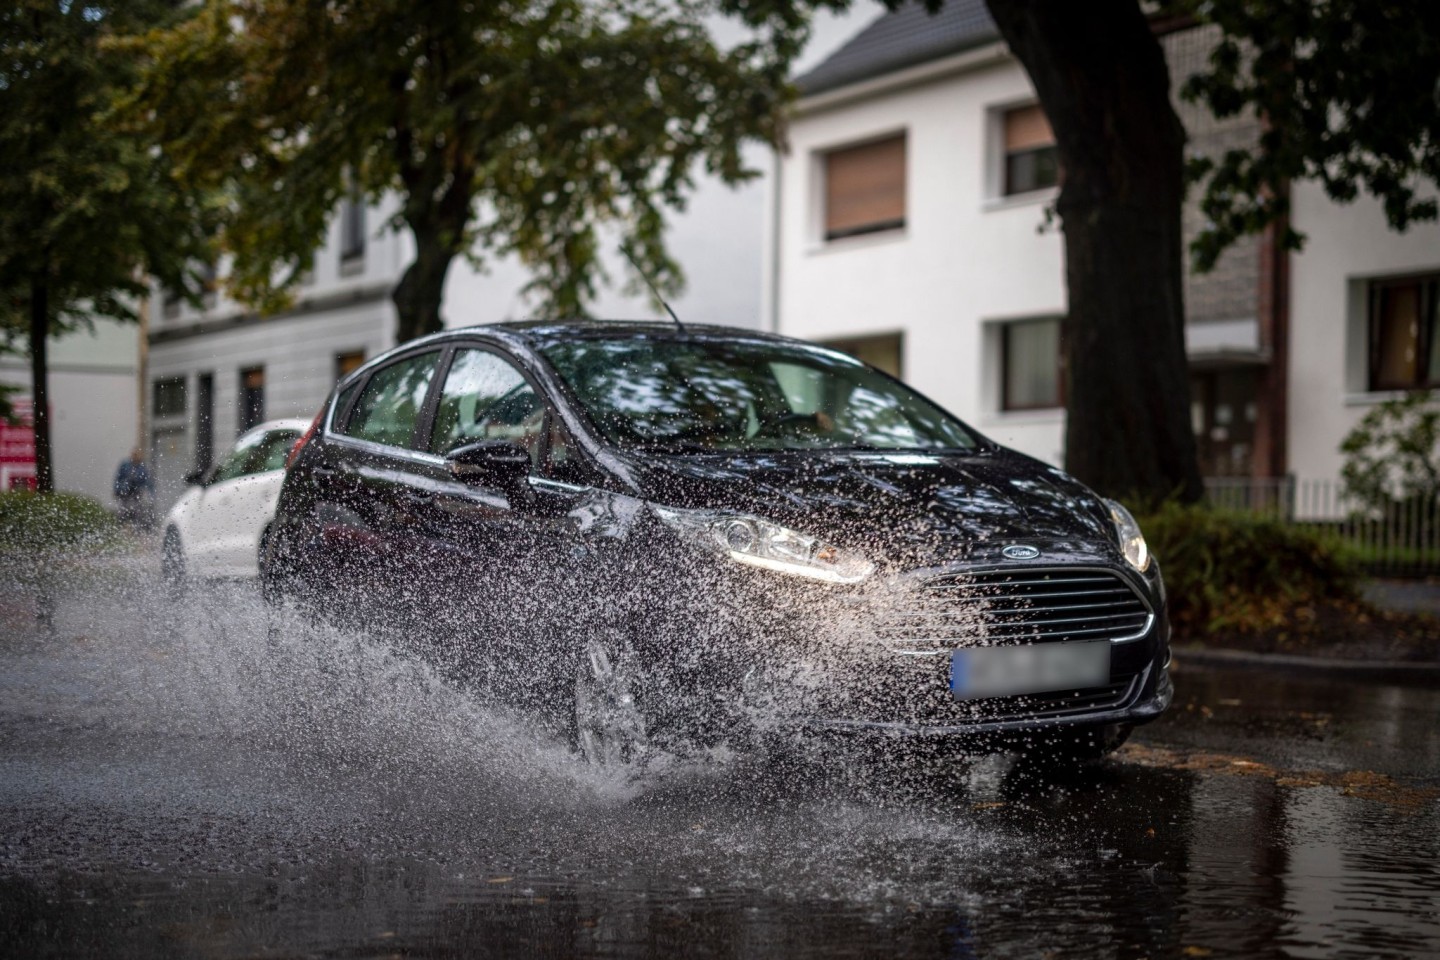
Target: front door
{"x":502,"y":556}
{"x":1224,"y":408}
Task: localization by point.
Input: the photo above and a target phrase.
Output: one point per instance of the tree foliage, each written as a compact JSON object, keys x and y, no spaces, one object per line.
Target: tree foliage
{"x":519,"y":127}
{"x":87,"y":205}
{"x":1392,"y":455}
{"x":1349,"y":93}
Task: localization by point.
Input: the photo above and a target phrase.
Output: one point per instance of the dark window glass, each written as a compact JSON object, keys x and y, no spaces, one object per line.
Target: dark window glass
{"x":390,"y":405}
{"x":485,"y":398}
{"x":1404,"y":341}
{"x":352,"y":229}
{"x":252,"y":397}
{"x":169,"y":397}
{"x":348,"y":362}
{"x":1031,"y":360}
{"x":1031,"y":161}
{"x":1031,"y":170}
{"x":698,"y":395}
{"x":204,"y":420}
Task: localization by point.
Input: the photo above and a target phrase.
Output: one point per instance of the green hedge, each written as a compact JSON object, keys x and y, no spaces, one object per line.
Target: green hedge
{"x":1238,"y":573}
{"x":32,"y":522}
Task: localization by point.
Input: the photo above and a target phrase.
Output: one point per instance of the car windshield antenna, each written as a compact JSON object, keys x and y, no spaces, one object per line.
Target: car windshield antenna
{"x":646,"y":277}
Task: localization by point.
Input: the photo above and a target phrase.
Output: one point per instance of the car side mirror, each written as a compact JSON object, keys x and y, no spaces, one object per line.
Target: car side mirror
{"x":196,"y":477}
{"x":493,"y":463}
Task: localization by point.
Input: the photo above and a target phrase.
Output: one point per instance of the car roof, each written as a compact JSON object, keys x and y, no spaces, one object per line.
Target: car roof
{"x":540,"y":333}
{"x":288,"y":423}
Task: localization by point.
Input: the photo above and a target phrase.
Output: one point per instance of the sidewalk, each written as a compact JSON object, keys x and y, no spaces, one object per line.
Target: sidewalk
{"x":1405,"y":596}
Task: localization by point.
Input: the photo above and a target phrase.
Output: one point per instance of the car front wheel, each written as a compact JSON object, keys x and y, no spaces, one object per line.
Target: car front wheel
{"x":609,"y":729}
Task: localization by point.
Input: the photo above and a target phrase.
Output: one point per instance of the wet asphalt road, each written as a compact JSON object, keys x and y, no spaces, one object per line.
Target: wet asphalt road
{"x":170,"y":788}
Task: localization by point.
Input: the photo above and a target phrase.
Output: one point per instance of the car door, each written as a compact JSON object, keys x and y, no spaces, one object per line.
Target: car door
{"x":367,"y":485}
{"x":247,"y":505}
{"x":212,"y":511}
{"x":500,"y":556}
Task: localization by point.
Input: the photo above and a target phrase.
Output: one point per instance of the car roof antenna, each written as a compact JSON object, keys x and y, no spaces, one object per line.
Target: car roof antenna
{"x":625,"y":249}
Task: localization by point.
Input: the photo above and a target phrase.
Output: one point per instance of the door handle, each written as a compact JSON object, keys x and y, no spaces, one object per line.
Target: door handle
{"x":421,"y":497}
{"x":324,"y":472}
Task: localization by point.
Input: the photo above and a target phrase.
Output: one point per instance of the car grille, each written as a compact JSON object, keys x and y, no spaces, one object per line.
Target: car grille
{"x":1017,"y":606}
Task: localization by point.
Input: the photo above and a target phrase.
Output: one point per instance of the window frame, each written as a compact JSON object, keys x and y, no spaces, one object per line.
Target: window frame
{"x":998,"y":155}
{"x":339,"y":420}
{"x":353,"y":231}
{"x":821,"y":180}
{"x":242,"y":394}
{"x":1061,"y":381}
{"x":1428,"y":302}
{"x":163,"y":385}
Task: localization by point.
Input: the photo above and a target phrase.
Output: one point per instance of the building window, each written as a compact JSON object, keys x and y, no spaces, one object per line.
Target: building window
{"x":352,"y":230}
{"x":252,"y":397}
{"x":204,"y":420}
{"x":169,"y":397}
{"x":865,"y":188}
{"x":170,"y":303}
{"x":348,"y":362}
{"x":1031,"y":364}
{"x":209,"y":285}
{"x":1404,"y":342}
{"x":1031,"y":161}
{"x":882,"y":351}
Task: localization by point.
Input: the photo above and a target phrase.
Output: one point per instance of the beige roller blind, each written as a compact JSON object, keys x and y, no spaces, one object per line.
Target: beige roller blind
{"x":1026,"y":129}
{"x":865,"y":187}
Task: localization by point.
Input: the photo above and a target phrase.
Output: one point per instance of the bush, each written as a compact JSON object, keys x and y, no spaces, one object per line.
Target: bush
{"x":1240,"y":573}
{"x":31,"y":522}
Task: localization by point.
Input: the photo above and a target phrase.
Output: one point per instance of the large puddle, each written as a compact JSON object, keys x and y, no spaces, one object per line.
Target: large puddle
{"x":176,"y":780}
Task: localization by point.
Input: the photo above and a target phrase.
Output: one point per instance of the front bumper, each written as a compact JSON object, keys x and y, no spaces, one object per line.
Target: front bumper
{"x":849,"y":672}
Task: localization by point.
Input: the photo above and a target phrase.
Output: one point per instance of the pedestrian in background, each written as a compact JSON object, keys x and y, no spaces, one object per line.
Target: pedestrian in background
{"x":135,"y":492}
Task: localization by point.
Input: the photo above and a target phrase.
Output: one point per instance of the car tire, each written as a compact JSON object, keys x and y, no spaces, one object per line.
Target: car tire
{"x":172,"y":563}
{"x":608,"y":727}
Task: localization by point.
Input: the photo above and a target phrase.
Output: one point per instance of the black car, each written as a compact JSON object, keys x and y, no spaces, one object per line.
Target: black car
{"x":651,"y":531}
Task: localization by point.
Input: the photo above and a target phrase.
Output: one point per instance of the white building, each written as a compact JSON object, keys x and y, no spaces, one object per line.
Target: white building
{"x":94,"y":406}
{"x":909,"y":222}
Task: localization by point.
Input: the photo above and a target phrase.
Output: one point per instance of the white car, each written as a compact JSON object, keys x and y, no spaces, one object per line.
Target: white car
{"x":219,"y":526}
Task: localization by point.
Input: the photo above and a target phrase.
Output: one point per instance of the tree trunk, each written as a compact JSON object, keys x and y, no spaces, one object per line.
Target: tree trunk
{"x":1100,"y":74}
{"x":418,"y":296}
{"x":40,"y":383}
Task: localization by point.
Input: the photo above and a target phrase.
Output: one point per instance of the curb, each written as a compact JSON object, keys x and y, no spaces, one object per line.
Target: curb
{"x":1382,"y":671}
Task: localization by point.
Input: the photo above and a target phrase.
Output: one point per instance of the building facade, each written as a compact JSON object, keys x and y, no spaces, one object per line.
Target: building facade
{"x":94,"y":409}
{"x":912,"y":216}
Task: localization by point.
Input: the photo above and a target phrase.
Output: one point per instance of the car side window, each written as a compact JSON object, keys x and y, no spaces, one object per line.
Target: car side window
{"x":271,"y":454}
{"x":485,"y":398}
{"x":233,"y":465}
{"x":391,"y":402}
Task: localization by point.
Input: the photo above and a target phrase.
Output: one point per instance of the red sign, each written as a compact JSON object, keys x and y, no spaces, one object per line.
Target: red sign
{"x":17,"y":447}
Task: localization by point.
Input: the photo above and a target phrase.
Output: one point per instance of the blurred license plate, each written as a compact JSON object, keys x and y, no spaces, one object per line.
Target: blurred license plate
{"x":1037,"y":668}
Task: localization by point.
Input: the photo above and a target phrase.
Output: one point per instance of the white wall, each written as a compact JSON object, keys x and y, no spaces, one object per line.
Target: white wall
{"x":963,"y":260}
{"x":1347,"y":246}
{"x":93,"y":402}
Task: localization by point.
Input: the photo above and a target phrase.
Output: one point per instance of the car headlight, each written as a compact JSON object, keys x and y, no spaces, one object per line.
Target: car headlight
{"x":760,"y":543}
{"x":1132,"y":541}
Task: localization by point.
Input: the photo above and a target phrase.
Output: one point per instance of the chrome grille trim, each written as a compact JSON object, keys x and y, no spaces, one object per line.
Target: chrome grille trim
{"x":960,"y":607}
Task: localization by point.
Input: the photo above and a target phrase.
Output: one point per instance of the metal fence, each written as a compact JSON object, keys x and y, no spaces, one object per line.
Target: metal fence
{"x":1403,"y":539}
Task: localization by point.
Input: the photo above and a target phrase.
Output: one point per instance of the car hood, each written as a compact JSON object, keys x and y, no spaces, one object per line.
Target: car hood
{"x":945,"y":504}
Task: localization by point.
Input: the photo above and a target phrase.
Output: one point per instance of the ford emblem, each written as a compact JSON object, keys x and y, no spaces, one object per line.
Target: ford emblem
{"x":1020,"y":551}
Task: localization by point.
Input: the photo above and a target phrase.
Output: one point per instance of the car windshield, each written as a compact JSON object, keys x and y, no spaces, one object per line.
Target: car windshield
{"x":675,"y":395}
